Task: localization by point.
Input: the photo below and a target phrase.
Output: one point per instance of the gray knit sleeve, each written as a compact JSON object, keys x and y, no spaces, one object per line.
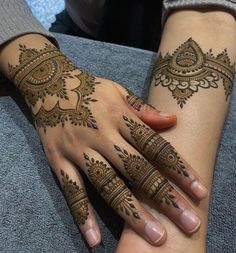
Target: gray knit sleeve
{"x":170,"y":5}
{"x":16,"y":19}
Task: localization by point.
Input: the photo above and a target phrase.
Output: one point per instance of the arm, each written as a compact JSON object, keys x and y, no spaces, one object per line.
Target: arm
{"x":66,"y":106}
{"x":201,"y":112}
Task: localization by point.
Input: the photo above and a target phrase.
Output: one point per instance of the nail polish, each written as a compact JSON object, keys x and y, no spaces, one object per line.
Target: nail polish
{"x":189,"y":221}
{"x":91,"y":237}
{"x":154,"y":231}
{"x":199,"y":189}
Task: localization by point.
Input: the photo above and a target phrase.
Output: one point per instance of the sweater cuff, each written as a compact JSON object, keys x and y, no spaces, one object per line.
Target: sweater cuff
{"x":17,"y":19}
{"x":172,"y":5}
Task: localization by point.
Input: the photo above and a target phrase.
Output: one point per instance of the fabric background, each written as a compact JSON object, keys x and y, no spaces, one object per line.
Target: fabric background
{"x":34,"y":216}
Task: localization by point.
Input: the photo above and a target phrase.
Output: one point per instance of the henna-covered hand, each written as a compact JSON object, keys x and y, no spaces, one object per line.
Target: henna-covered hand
{"x":96,"y":126}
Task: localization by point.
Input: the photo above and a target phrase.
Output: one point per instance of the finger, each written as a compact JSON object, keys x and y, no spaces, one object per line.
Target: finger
{"x":149,"y":180}
{"x":119,"y":197}
{"x":78,"y":202}
{"x":146,"y":112}
{"x":162,"y":154}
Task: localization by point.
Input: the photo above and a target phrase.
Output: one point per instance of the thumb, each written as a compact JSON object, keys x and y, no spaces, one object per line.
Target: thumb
{"x":146,"y":112}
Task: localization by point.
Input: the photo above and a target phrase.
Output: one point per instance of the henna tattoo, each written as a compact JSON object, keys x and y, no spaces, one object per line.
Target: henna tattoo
{"x":44,"y":72}
{"x":147,"y":178}
{"x":111,"y":187}
{"x":80,"y":116}
{"x":77,"y":199}
{"x":155,"y":147}
{"x":41,"y":72}
{"x":188,"y":69}
{"x":135,"y":101}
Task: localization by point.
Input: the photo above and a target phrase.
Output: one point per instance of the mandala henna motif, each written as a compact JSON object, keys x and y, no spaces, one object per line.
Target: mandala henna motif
{"x":44,"y":72}
{"x":134,"y":101}
{"x":76,"y":199}
{"x":153,"y":146}
{"x":111,"y":187}
{"x":147,"y":178}
{"x":188,"y":69}
{"x":41,"y":72}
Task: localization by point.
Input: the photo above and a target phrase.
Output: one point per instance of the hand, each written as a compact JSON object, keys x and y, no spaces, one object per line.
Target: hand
{"x":93,"y":125}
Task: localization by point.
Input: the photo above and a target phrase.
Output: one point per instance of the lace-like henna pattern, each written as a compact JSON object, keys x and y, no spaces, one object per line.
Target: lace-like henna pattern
{"x":153,"y":146}
{"x":134,"y":101}
{"x":76,"y":199}
{"x":147,"y":178}
{"x":41,"y":72}
{"x":188,"y":69}
{"x":111,"y":187}
{"x":80,"y":115}
{"x":44,"y":72}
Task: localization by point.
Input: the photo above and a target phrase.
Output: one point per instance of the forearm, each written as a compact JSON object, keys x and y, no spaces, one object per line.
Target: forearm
{"x":202,"y":115}
{"x":200,"y":118}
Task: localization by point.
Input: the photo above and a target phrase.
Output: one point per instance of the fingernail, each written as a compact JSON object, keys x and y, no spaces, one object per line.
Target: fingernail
{"x":199,"y":189}
{"x":189,"y":221}
{"x":165,"y":114}
{"x":154,"y":231}
{"x":91,"y":237}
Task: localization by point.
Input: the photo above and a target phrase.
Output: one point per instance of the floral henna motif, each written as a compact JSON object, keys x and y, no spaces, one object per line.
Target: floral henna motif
{"x":76,"y":198}
{"x":136,"y":102}
{"x":41,"y":72}
{"x":155,"y":147}
{"x":147,"y":178}
{"x":188,"y":69}
{"x":111,"y":187}
{"x":80,"y":116}
{"x":44,"y":72}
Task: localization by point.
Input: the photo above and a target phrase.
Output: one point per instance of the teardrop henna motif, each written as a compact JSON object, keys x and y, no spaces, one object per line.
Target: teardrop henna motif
{"x":188,"y":69}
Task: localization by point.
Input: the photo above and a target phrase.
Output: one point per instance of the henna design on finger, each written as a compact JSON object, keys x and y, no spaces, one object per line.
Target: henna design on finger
{"x":76,"y":198}
{"x":147,"y":178}
{"x":154,"y":147}
{"x":111,"y":187}
{"x":135,"y":101}
{"x":188,"y":69}
{"x":44,"y":72}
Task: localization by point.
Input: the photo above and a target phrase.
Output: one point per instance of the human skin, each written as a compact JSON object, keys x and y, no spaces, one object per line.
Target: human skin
{"x":200,"y":120}
{"x":68,"y":108}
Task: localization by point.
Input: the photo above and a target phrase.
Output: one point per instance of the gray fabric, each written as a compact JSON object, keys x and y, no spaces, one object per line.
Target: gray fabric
{"x":16,"y":18}
{"x":34,"y":216}
{"x":171,"y":5}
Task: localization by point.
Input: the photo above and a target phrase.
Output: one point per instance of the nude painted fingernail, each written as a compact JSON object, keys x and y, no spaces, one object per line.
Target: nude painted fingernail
{"x":165,"y":114}
{"x":189,"y":221}
{"x":199,"y":189}
{"x":91,"y":237}
{"x":154,"y":231}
